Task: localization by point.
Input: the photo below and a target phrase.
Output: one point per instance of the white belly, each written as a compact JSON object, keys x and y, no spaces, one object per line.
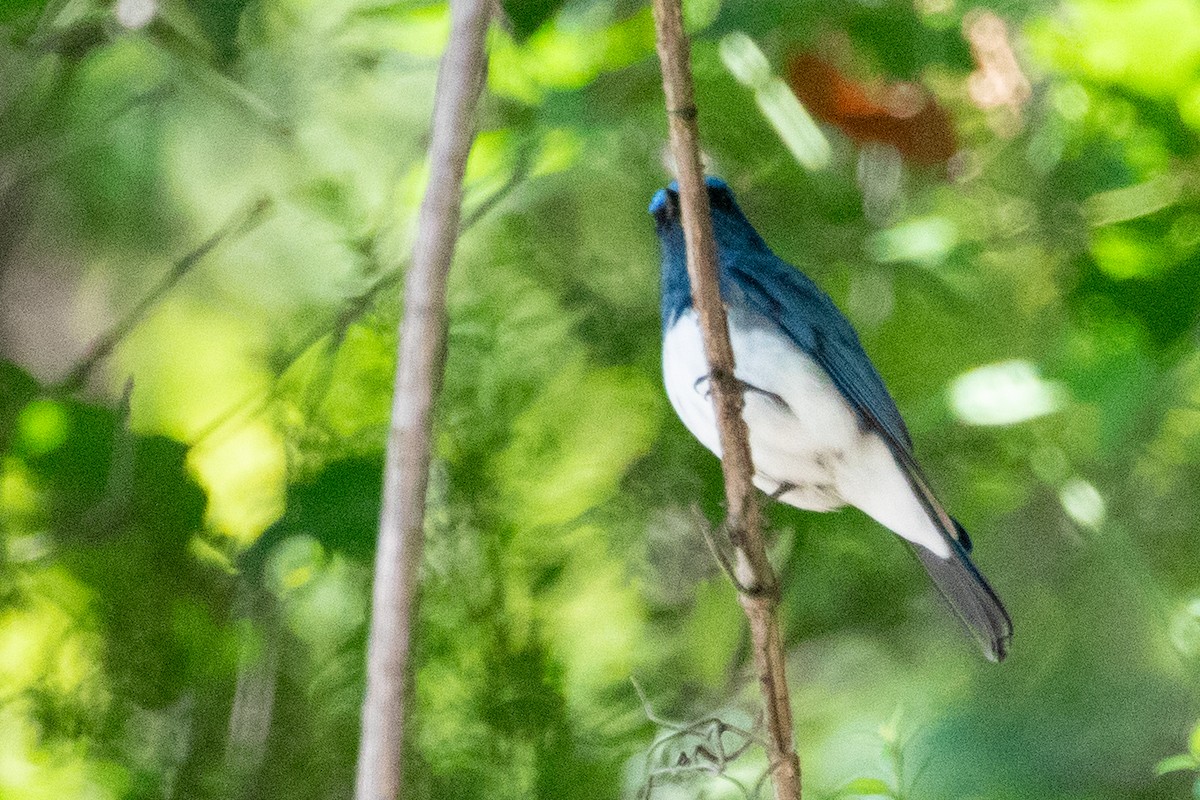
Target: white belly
{"x":812,"y":442}
{"x":803,"y":444}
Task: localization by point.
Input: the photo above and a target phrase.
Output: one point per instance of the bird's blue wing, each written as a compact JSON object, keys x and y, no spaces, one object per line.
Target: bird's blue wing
{"x":808,"y":316}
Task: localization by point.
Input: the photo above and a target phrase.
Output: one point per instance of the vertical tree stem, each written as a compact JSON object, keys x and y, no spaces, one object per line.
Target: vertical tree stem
{"x":761,"y":595}
{"x":421,"y":358}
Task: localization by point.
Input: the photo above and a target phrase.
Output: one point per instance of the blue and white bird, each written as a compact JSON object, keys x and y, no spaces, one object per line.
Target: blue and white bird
{"x":824,"y":432}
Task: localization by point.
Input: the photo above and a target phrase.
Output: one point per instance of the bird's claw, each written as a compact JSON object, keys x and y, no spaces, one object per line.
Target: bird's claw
{"x":783,"y":489}
{"x":743,"y":385}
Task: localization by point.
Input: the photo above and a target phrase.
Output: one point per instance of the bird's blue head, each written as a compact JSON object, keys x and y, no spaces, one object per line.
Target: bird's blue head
{"x":733,"y":232}
{"x":664,"y":206}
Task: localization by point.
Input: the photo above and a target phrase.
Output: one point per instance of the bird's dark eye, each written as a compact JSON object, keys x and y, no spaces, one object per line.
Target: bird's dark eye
{"x":720,"y":198}
{"x":665,"y":207}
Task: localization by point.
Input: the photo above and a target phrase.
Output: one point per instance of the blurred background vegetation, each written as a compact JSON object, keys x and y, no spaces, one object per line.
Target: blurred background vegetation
{"x":205,"y":206}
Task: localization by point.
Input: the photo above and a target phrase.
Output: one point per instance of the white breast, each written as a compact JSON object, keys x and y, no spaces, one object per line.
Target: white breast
{"x":812,"y":441}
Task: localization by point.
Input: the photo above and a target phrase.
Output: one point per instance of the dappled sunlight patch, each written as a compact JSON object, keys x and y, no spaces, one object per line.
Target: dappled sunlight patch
{"x":416,"y":30}
{"x":29,"y":639}
{"x":1188,"y":104}
{"x":791,"y":121}
{"x":243,"y":472}
{"x":566,"y":54}
{"x":488,"y":155}
{"x":699,"y":14}
{"x":1083,"y":503}
{"x":927,"y":240}
{"x":20,"y":499}
{"x":42,"y":426}
{"x":1185,"y":628}
{"x":1131,"y":202}
{"x":1004,"y":393}
{"x":33,"y":770}
{"x":575,"y":441}
{"x":190,"y":364}
{"x":355,"y":403}
{"x":1123,"y":254}
{"x":49,"y":655}
{"x":324,"y":597}
{"x":1150,"y":46}
{"x":596,"y":622}
{"x":560,"y":149}
{"x":45,"y":643}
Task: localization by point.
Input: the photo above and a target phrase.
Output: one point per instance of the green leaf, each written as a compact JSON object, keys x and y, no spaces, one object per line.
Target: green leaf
{"x":1179,"y":763}
{"x":17,"y":389}
{"x":1194,"y":743}
{"x":219,"y":20}
{"x":15,"y":9}
{"x":529,"y":15}
{"x":866,"y":786}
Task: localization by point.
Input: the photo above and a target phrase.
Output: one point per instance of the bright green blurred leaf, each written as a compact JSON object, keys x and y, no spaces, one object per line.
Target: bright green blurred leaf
{"x":1150,"y":46}
{"x":1179,"y":763}
{"x":1004,"y":394}
{"x":573,"y":444}
{"x":866,"y":787}
{"x":43,"y":426}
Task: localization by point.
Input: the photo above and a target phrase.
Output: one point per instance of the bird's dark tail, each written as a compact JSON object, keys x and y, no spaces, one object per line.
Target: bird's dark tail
{"x":965,"y":589}
{"x":969,"y":594}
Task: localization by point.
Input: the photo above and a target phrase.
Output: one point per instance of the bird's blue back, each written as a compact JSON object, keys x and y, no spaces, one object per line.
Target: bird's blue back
{"x":755,"y":279}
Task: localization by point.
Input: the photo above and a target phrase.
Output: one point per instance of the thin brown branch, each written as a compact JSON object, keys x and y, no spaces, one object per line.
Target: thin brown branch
{"x":759,"y":595}
{"x":420,"y":362}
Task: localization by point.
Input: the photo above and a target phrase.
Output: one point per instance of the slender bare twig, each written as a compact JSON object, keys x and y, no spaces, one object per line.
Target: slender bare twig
{"x":759,"y":595}
{"x":351,"y":310}
{"x":700,"y":748}
{"x":177,"y":46}
{"x":244,"y":220}
{"x":421,"y":358}
{"x":714,"y":547}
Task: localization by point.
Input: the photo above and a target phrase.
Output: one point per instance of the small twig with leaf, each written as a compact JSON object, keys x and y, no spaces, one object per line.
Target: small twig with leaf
{"x":718,"y":552}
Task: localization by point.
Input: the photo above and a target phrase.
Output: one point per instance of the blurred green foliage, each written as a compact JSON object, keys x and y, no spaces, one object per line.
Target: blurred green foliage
{"x":184,"y":577}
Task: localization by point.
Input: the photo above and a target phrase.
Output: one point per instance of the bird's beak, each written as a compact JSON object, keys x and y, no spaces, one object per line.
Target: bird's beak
{"x":665,"y":208}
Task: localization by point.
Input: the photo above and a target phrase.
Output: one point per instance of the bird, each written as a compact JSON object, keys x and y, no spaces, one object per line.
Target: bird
{"x":824,"y":432}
